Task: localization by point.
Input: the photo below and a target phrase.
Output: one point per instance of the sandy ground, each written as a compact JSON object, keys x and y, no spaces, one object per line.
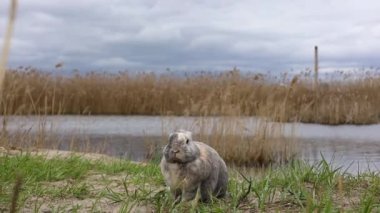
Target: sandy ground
{"x":97,"y":183}
{"x":50,"y":153}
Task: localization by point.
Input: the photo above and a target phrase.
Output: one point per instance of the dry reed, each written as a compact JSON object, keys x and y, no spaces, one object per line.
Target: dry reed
{"x":3,"y":63}
{"x":7,"y":41}
{"x":243,"y":143}
{"x":28,"y":91}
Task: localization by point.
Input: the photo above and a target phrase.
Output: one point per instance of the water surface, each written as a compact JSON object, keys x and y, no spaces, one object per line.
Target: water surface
{"x":355,"y":148}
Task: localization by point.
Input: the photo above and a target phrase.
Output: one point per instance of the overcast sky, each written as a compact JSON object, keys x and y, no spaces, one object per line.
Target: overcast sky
{"x":194,"y":34}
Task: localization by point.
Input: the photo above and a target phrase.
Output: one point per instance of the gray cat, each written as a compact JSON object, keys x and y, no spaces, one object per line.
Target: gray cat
{"x":188,"y":165}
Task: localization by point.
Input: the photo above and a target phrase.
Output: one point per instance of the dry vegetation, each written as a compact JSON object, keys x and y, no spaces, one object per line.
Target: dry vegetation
{"x":32,"y":92}
{"x":262,"y":144}
{"x":231,"y":94}
{"x":28,"y":91}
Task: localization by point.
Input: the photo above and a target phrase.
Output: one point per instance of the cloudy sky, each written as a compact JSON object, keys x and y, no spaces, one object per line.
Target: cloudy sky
{"x":189,"y":35}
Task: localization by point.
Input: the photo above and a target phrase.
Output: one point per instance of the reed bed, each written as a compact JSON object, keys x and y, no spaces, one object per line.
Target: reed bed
{"x":267,"y":146}
{"x":246,"y":142}
{"x":230,"y":95}
{"x":29,"y":91}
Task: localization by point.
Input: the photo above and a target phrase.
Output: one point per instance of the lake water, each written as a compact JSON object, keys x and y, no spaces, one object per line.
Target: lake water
{"x":354,"y":148}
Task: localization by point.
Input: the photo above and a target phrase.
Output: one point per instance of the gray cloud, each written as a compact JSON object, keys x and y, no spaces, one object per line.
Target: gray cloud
{"x":195,"y":35}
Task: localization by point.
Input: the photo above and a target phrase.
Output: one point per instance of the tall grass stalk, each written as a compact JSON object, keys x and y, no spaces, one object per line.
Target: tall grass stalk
{"x":7,"y":41}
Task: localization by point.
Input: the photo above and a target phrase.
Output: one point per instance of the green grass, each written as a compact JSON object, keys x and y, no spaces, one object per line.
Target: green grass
{"x":76,"y":184}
